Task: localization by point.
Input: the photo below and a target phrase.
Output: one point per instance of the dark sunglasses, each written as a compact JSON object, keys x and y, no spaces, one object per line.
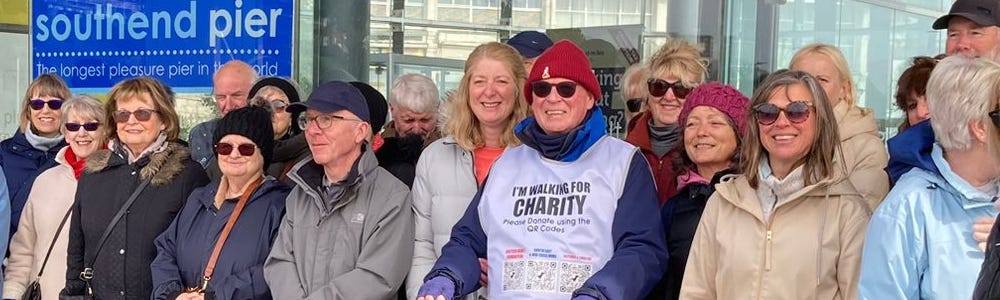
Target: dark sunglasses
{"x":796,"y":112}
{"x":542,"y":89}
{"x":89,"y":126}
{"x":278,"y":105}
{"x":659,"y":87}
{"x":995,"y":117}
{"x":38,"y":104}
{"x":141,"y":115}
{"x":225,"y":149}
{"x":634,"y":105}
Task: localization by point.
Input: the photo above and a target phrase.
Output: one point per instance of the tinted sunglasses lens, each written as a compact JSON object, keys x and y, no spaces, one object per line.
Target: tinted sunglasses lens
{"x":91,"y":126}
{"x":995,"y":117}
{"x":72,"y":126}
{"x":681,"y":91}
{"x":541,"y":89}
{"x":657,"y":88}
{"x":55,"y":104}
{"x":634,"y":105}
{"x":36,"y":104}
{"x":797,"y":112}
{"x":246,"y":149}
{"x":121,"y":116}
{"x":223,"y":149}
{"x":143,"y":115}
{"x":767,"y":113}
{"x":566,"y":89}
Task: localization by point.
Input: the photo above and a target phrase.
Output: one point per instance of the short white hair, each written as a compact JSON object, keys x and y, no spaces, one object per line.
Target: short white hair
{"x":415,"y":92}
{"x":960,"y":90}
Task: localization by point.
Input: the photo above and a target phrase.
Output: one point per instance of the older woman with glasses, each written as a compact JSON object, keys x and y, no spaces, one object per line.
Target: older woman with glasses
{"x":750,"y":240}
{"x":144,"y":173}
{"x":634,"y":90}
{"x":41,"y":243}
{"x":36,"y":144}
{"x":231,"y":221}
{"x":920,"y":241}
{"x":675,"y":70}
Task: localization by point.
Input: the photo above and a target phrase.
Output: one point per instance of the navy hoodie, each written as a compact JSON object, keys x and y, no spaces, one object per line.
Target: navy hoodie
{"x":911,"y":149}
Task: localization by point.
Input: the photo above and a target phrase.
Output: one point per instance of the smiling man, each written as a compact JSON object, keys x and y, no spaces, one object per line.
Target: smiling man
{"x":972,"y":28}
{"x":348,"y":227}
{"x":230,"y":89}
{"x":571,"y":213}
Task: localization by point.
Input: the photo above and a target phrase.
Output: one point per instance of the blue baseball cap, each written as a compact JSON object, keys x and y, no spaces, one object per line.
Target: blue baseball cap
{"x":334,"y":96}
{"x":530,"y":44}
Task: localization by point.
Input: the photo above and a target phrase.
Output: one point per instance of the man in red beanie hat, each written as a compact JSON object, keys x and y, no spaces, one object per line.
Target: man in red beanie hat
{"x":571,"y":213}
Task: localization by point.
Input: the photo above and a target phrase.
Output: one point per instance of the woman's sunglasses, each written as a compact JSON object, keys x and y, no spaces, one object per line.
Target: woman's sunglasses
{"x":89,"y":126}
{"x":226,"y":149}
{"x":634,"y":105}
{"x":995,"y":117}
{"x":659,"y":87}
{"x":38,"y":104}
{"x":141,"y":115}
{"x":796,"y":112}
{"x":542,"y":89}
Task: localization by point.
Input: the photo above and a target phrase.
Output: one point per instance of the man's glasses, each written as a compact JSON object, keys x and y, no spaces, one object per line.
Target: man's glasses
{"x":542,"y":89}
{"x":659,"y":87}
{"x":322,"y":121}
{"x":225,"y":149}
{"x":141,"y":115}
{"x":796,"y":112}
{"x":38,"y":104}
{"x":634,"y":105}
{"x":89,"y":126}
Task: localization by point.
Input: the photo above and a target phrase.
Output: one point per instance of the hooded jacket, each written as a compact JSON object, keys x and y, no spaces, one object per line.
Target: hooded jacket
{"x":21,"y":163}
{"x":920,"y":243}
{"x":442,"y":190}
{"x":810,"y":248}
{"x":359,"y":248}
{"x":184,"y":248}
{"x":523,"y":262}
{"x":121,"y":269}
{"x":865,"y":156}
{"x":662,"y":167}
{"x":911,"y":149}
{"x":46,"y":206}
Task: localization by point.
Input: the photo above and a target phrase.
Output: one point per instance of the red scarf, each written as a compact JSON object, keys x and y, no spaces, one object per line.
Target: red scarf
{"x":76,"y":163}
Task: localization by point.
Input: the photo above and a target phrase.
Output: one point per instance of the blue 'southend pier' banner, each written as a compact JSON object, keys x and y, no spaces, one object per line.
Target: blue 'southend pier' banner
{"x":96,"y":43}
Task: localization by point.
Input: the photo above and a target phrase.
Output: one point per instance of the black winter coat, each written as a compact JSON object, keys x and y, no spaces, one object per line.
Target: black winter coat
{"x":121,"y":270}
{"x":988,"y":285}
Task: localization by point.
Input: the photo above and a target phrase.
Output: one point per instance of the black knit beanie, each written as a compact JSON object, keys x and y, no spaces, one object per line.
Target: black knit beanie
{"x":377,"y":106}
{"x":253,"y":123}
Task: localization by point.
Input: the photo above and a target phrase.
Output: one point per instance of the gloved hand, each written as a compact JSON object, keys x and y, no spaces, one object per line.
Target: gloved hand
{"x":439,"y":287}
{"x":584,"y":297}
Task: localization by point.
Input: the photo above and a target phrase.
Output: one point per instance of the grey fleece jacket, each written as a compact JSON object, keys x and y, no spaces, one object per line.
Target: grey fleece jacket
{"x":361,"y":248}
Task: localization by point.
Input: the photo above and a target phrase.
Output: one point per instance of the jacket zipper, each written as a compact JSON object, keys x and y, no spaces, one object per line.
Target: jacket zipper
{"x":768,"y":241}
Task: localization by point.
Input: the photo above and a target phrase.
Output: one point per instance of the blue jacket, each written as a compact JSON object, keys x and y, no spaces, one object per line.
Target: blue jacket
{"x":919,"y":243}
{"x":4,"y":218}
{"x":21,"y":163}
{"x":639,"y":259}
{"x":184,"y":248}
{"x":911,"y":149}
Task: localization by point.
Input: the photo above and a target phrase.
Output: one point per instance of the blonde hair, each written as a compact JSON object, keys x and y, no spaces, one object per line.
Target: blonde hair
{"x":46,"y":85}
{"x":678,"y":57}
{"x":818,"y":163}
{"x":839,"y":63}
{"x":462,"y":124}
{"x":143,"y":87}
{"x":633,"y":82}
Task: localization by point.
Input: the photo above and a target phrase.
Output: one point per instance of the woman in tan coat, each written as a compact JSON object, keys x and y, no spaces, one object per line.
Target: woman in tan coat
{"x":790,"y":227}
{"x":45,"y":215}
{"x":865,"y":155}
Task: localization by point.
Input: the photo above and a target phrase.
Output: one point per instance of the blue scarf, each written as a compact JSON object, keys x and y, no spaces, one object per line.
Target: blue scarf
{"x":566,"y":147}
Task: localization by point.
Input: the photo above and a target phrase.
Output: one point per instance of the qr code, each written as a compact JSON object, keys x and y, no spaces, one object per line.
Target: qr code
{"x":572,"y":276}
{"x":513,"y":275}
{"x":541,"y":276}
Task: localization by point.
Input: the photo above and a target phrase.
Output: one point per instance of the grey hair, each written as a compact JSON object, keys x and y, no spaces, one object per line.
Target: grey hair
{"x":83,"y":106}
{"x":415,"y":92}
{"x":959,"y":91}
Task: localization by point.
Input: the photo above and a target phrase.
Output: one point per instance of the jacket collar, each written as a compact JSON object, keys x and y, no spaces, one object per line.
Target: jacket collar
{"x":207,"y":199}
{"x":639,"y":133}
{"x":308,"y":175}
{"x":575,"y":143}
{"x":737,"y":191}
{"x":970,"y":196}
{"x":160,"y":167}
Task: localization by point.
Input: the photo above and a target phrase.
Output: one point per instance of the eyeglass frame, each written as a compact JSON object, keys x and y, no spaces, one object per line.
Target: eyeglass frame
{"x":304,"y":120}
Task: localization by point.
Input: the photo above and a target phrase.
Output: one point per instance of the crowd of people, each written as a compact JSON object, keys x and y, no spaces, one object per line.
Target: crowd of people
{"x":510,"y":187}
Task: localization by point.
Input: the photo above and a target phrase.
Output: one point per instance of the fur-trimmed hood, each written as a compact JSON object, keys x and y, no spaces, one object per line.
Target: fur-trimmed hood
{"x":161,"y":166}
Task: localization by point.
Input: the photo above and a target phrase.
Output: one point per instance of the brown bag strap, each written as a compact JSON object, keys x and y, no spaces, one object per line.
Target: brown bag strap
{"x":210,"y":267}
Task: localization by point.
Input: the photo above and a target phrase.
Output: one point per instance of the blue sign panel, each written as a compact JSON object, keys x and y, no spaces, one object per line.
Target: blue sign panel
{"x":97,"y":43}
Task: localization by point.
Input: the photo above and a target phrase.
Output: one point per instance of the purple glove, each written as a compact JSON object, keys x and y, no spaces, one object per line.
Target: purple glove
{"x":438,"y":286}
{"x":584,"y":297}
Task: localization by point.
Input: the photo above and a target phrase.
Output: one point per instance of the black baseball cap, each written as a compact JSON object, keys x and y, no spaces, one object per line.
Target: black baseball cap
{"x":334,"y":96}
{"x":982,"y":12}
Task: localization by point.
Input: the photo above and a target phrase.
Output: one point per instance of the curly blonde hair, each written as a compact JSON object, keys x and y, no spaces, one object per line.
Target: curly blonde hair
{"x":678,"y":57}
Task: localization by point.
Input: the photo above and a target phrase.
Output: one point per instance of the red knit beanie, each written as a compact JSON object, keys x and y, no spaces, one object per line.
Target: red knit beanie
{"x":564,"y":60}
{"x":726,"y":99}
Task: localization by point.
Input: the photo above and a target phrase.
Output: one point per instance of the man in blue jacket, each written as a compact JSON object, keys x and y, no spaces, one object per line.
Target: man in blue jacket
{"x":571,"y":213}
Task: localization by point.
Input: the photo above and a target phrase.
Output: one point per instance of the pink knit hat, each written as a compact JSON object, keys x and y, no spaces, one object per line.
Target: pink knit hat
{"x":725,"y":98}
{"x":564,"y":60}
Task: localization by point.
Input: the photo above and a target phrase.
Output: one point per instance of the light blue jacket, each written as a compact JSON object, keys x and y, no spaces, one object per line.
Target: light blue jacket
{"x":4,"y":219}
{"x":919,"y":243}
